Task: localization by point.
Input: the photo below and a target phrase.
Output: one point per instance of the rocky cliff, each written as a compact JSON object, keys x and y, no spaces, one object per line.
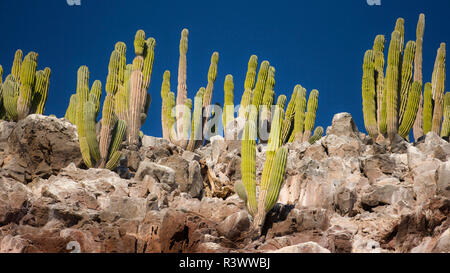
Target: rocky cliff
{"x":345,"y":193}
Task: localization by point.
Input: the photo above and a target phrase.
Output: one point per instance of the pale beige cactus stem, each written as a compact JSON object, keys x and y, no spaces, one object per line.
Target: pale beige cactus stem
{"x":418,"y":60}
{"x":182,"y":87}
{"x":135,"y":105}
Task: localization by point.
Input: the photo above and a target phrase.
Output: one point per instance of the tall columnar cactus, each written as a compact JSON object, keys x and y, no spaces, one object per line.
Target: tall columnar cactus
{"x":71,"y":111}
{"x":150,"y":44}
{"x":267,"y":102}
{"x":135,"y":105}
{"x":378,"y":51}
{"x":274,"y":168}
{"x":368,"y":94}
{"x":299,"y":118}
{"x":289,"y":115}
{"x":248,"y":86}
{"x":41,"y":91}
{"x":438,"y":89}
{"x":228,"y":109}
{"x":310,"y":117}
{"x":418,"y":60}
{"x":258,"y":93}
{"x":427,"y":108}
{"x":165,"y":89}
{"x":407,"y":75}
{"x":392,"y":82}
{"x":445,"y":132}
{"x":10,"y":95}
{"x":112,"y":80}
{"x":182,"y":85}
{"x":17,"y":63}
{"x":318,"y":134}
{"x":212,"y":75}
{"x":27,"y":80}
{"x":196,"y":128}
{"x":410,"y":110}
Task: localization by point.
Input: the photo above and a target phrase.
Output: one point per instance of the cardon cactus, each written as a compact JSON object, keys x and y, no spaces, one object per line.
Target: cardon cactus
{"x":228,"y":109}
{"x":212,"y":75}
{"x":165,"y":90}
{"x":289,"y":115}
{"x":182,"y":78}
{"x":407,"y":75}
{"x":27,"y":89}
{"x":427,"y":108}
{"x":418,"y":60}
{"x":248,"y":86}
{"x":318,"y":134}
{"x":410,"y":110}
{"x":267,"y":102}
{"x":368,"y":94}
{"x":445,"y":132}
{"x":438,"y":83}
{"x":139,"y":43}
{"x":310,"y":118}
{"x":135,"y":105}
{"x":196,"y":128}
{"x":299,"y":118}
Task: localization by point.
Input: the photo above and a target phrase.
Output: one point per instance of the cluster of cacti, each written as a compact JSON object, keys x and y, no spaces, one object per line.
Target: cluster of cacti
{"x":180,"y":126}
{"x":25,"y":90}
{"x":125,"y":107}
{"x":274,"y":166}
{"x":392,"y":101}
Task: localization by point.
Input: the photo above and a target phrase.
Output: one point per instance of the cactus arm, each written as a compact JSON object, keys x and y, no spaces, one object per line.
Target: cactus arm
{"x":85,"y":153}
{"x":427,"y":108}
{"x":392,"y":82}
{"x":144,"y":113}
{"x":27,"y":81}
{"x":418,"y":60}
{"x":17,"y":63}
{"x":248,"y":86}
{"x":267,"y":102}
{"x":368,"y":94}
{"x":139,"y":43}
{"x":248,"y":167}
{"x":378,"y":49}
{"x":91,"y":136}
{"x":411,"y":110}
{"x":212,"y":75}
{"x":445,"y":132}
{"x":310,"y":118}
{"x":108,"y":122}
{"x":41,"y":92}
{"x":276,"y":178}
{"x":289,"y":116}
{"x":183,"y":142}
{"x":318,"y":134}
{"x":95,"y":95}
{"x":170,"y":115}
{"x":121,"y":47}
{"x":196,"y":129}
{"x":182,"y":85}
{"x":228,"y":109}
{"x":112,"y":80}
{"x":258,"y":93}
{"x":135,"y":106}
{"x":118,"y":136}
{"x":438,"y":90}
{"x":148,"y":62}
{"x":407,"y":75}
{"x":299,"y":118}
{"x":71,"y":110}
{"x":10,"y":96}
{"x":165,"y":89}
{"x":239,"y":188}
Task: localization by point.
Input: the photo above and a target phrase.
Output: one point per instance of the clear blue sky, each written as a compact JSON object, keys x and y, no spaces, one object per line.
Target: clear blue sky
{"x":319,"y":44}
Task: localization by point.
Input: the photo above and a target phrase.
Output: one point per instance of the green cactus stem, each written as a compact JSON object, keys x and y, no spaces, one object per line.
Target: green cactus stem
{"x":378,"y":51}
{"x":165,"y":89}
{"x":114,"y":149}
{"x":368,"y":94}
{"x":445,"y":132}
{"x":112,"y":80}
{"x":91,"y":136}
{"x":411,"y":110}
{"x":248,"y":86}
{"x":310,"y":118}
{"x":407,"y":76}
{"x":17,"y":63}
{"x":139,"y":43}
{"x":299,"y":118}
{"x":71,"y":110}
{"x":248,"y":167}
{"x":427,"y":107}
{"x":212,"y":75}
{"x":289,"y":115}
{"x":121,"y":47}
{"x":148,"y":62}
{"x":41,"y":91}
{"x":27,"y":80}
{"x":267,"y":102}
{"x":258,"y":93}
{"x":392,"y":82}
{"x":95,"y":95}
{"x":182,"y":78}
{"x":10,"y":96}
{"x":438,"y":90}
{"x":228,"y":109}
{"x":196,"y":128}
{"x":108,"y":122}
{"x":318,"y":134}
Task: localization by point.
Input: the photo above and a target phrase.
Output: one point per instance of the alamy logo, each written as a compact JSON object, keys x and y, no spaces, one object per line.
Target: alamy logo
{"x":74,"y":2}
{"x":374,"y":2}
